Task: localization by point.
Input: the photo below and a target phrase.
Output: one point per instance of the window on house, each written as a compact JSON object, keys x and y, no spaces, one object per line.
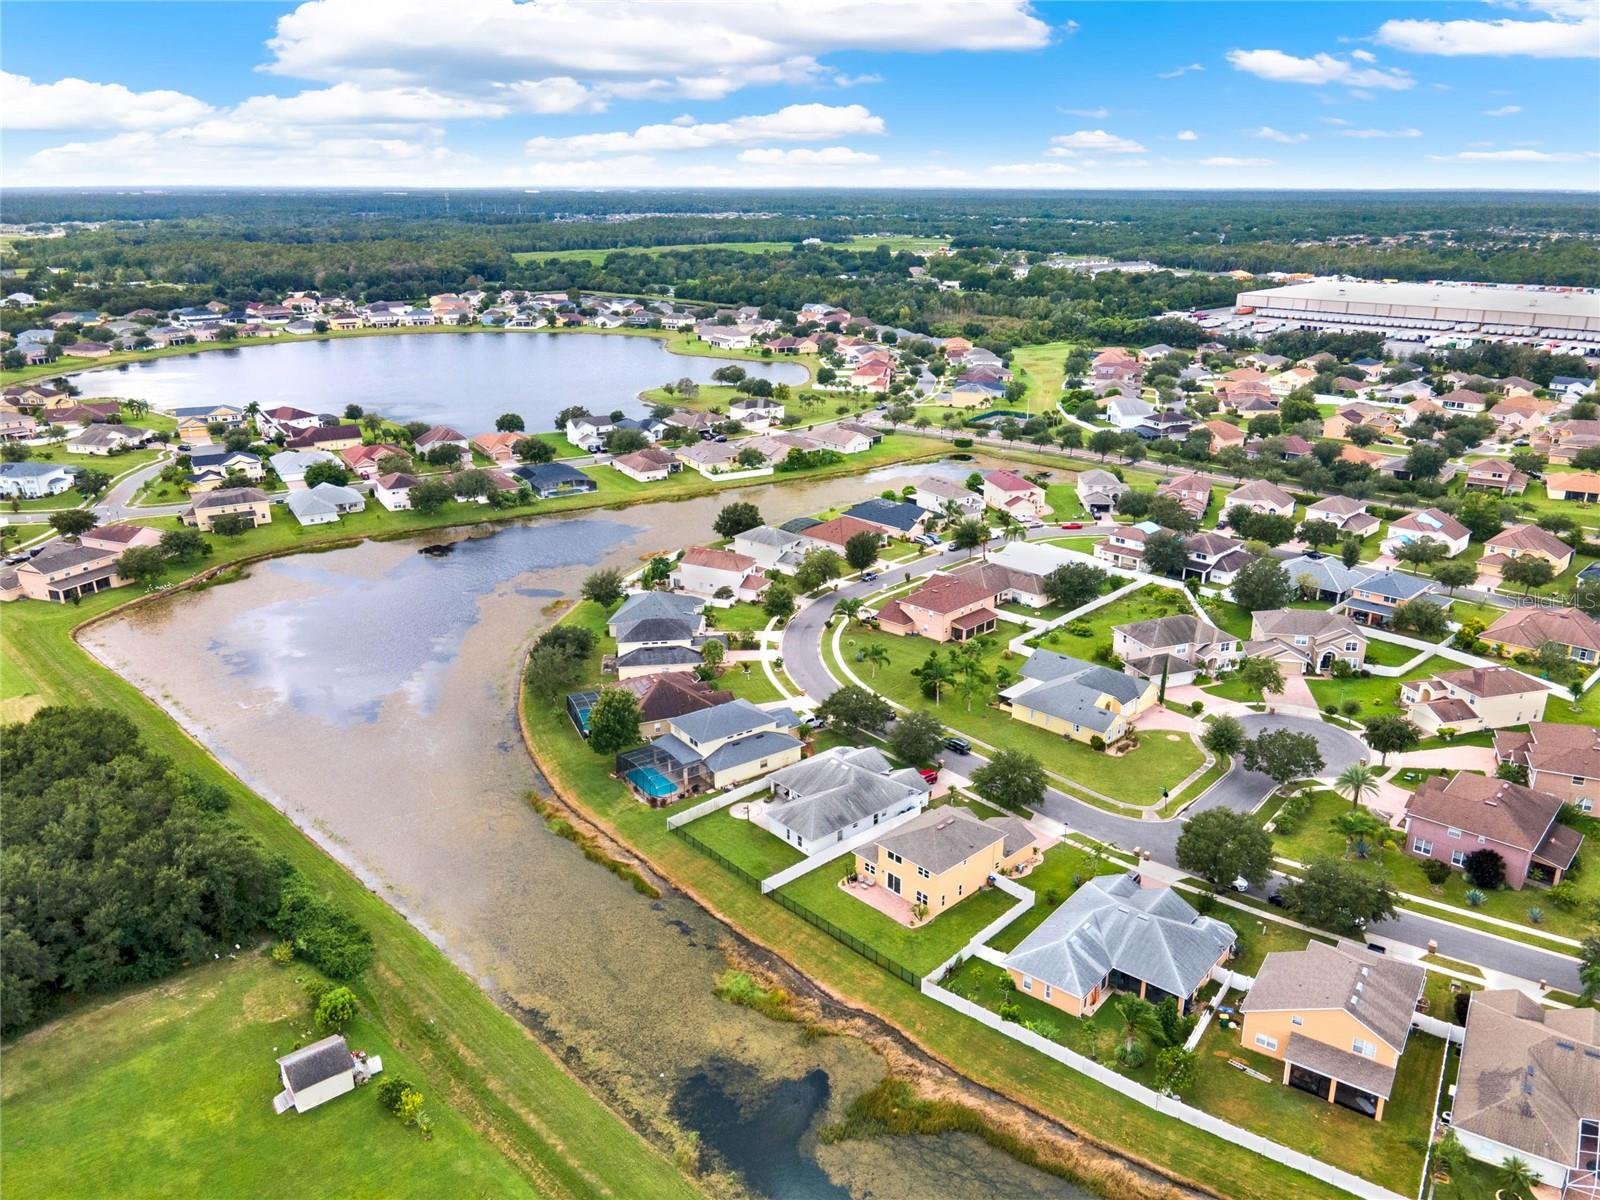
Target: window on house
{"x":871,"y":869}
{"x":1458,"y":858}
{"x":893,"y":857}
{"x":1364,"y":1048}
{"x":1265,"y":1042}
{"x":1027,"y":984}
{"x":1422,"y":846}
{"x":1454,"y":833}
{"x":1297,"y":1020}
{"x":922,"y":897}
{"x":922,"y":873}
{"x":960,"y":888}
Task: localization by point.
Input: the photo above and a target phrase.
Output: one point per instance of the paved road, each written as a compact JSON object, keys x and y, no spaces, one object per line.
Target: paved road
{"x":1240,"y":790}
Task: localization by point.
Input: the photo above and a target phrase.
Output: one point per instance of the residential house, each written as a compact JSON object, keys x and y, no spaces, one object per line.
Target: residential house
{"x":1346,"y":514}
{"x":1522,"y":541}
{"x":1164,"y":423}
{"x":1570,"y":388}
{"x":1287,"y":381}
{"x":936,"y":494}
{"x":892,"y":517}
{"x":843,"y":439}
{"x":285,"y":419}
{"x":1563,"y":760}
{"x":834,"y":534}
{"x":87,"y":350}
{"x":1528,"y":1088}
{"x":1179,"y":647}
{"x":1373,"y":599}
{"x":1474,"y":698}
{"x":721,"y":576}
{"x":719,"y":458}
{"x":249,"y":503}
{"x":1320,"y":577}
{"x":17,"y":427}
{"x":554,"y":479}
{"x":496,"y":447}
{"x":393,"y":491}
{"x":1098,"y":492}
{"x":315,"y":1074}
{"x":1127,"y":412}
{"x":1076,"y":699}
{"x":1260,"y":496}
{"x":107,"y":439}
{"x":1337,"y":1017}
{"x":837,"y":794}
{"x":1192,"y":491}
{"x":1582,"y":487}
{"x":1010,"y":585}
{"x":1427,"y":525}
{"x":1305,"y":641}
{"x":66,"y":571}
{"x":1520,"y":415}
{"x":209,"y":469}
{"x":31,"y":480}
{"x":940,"y":857}
{"x":945,"y":609}
{"x":1224,"y":434}
{"x":1496,"y":475}
{"x":1524,"y":630}
{"x":712,"y":749}
{"x":771,"y":549}
{"x":1449,"y":820}
{"x":332,"y":438}
{"x":364,"y":460}
{"x":1124,"y":548}
{"x":661,"y":698}
{"x":443,"y":435}
{"x":1119,"y":933}
{"x":1562,"y":441}
{"x":228,"y":415}
{"x":1213,"y":557}
{"x":650,"y":465}
{"x":756,"y":413}
{"x":120,"y":536}
{"x":324,"y":504}
{"x":291,"y":465}
{"x":1463,"y":400}
{"x":1382,"y":420}
{"x":1246,"y":399}
{"x":1011,"y":493}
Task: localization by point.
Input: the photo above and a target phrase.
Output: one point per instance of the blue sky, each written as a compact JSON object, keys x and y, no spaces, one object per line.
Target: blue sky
{"x":909,"y":93}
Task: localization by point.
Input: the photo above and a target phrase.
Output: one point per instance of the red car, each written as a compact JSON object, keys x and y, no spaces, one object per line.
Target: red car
{"x":1072,"y":524}
{"x":931,"y":774}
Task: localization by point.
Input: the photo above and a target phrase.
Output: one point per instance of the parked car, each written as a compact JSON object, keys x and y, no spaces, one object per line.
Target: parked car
{"x":931,"y":774}
{"x":1072,"y":524}
{"x":958,"y":745}
{"x":869,"y":576}
{"x":1275,"y":900}
{"x":1241,"y":884}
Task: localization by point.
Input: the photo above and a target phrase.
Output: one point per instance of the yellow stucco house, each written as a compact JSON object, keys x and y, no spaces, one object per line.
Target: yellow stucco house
{"x":1077,"y":699}
{"x":944,"y":855}
{"x":1337,"y":1017}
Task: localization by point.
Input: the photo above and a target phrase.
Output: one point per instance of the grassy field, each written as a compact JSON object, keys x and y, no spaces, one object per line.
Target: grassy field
{"x":1376,"y":694}
{"x":913,"y":244}
{"x":168,"y":1091}
{"x":919,"y":949}
{"x":745,"y":843}
{"x":985,"y":1055}
{"x":1161,"y":760}
{"x":1053,"y":880}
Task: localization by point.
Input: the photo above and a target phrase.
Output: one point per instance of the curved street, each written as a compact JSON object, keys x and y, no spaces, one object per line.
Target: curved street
{"x":1239,"y":789}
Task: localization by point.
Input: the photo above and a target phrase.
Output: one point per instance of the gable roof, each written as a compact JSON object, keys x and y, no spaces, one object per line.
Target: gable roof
{"x":1528,"y":537}
{"x":311,"y":1065}
{"x":1377,"y":991}
{"x":833,"y":790}
{"x":1009,"y":481}
{"x":1546,"y":746}
{"x":940,"y":838}
{"x":1532,"y":627}
{"x":1180,"y":630}
{"x":946,"y":593}
{"x":717,"y":560}
{"x":1300,"y":622}
{"x":896,"y":514}
{"x":1493,"y":808}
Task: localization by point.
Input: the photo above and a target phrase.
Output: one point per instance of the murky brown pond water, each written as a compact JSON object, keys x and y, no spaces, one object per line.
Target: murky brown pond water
{"x":369,"y":693}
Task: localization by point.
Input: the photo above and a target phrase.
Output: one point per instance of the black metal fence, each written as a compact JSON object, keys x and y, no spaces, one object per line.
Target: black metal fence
{"x":844,"y":937}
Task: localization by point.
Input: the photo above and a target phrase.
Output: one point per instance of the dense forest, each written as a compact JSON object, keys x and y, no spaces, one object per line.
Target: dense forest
{"x":401,"y":244}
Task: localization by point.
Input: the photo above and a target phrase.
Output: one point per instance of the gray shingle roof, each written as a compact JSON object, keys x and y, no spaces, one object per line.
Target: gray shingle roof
{"x":319,"y":1061}
{"x":1378,"y":991}
{"x":749,"y":749}
{"x":1111,"y":923}
{"x":1330,"y":574}
{"x":893,"y":513}
{"x":723,"y":721}
{"x":658,"y":629}
{"x":660,"y":656}
{"x":835,"y":789}
{"x":1367,"y":1074}
{"x":942,"y":837}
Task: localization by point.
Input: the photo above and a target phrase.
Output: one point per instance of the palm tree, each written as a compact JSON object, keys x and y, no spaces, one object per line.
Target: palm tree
{"x":934,"y":673}
{"x":850,"y":606}
{"x":877,"y":655}
{"x":1518,"y":1176}
{"x":1357,"y":782}
{"x":1360,"y":827}
{"x":1136,"y":1014}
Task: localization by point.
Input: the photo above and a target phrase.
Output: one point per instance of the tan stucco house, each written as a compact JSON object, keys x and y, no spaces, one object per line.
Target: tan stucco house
{"x":944,"y":855}
{"x":1474,"y":698}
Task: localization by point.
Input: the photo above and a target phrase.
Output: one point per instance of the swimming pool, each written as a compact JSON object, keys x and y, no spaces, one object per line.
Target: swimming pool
{"x":652,"y":782}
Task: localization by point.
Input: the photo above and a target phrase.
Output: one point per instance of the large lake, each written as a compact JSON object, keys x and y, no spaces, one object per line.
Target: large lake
{"x":462,"y":379}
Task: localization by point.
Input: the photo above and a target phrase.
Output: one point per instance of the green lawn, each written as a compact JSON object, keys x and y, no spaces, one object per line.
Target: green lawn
{"x":745,"y":618}
{"x":1163,"y":759}
{"x":1388,"y":654}
{"x":745,"y":843}
{"x":1083,"y":637}
{"x":1387,"y":1152}
{"x":920,"y":949}
{"x":167,"y":1091}
{"x":111,"y":464}
{"x":1260,"y":936}
{"x":985,"y":1055}
{"x":754,"y":686}
{"x":1056,"y":878}
{"x":1377,"y":694}
{"x":1315,"y":838}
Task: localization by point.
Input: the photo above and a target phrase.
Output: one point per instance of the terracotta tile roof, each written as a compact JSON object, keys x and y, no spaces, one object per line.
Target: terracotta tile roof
{"x":1494,"y":808}
{"x":946,"y":593}
{"x":719,"y":560}
{"x":1008,"y":481}
{"x":1532,"y":627}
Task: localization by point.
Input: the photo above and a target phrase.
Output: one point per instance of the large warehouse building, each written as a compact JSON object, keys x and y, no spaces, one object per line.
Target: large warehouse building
{"x":1560,"y":314}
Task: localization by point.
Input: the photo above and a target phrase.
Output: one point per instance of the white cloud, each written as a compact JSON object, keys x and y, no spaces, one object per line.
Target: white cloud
{"x":1224,"y":160}
{"x":699,"y":49}
{"x":80,"y":104}
{"x":1505,"y":110}
{"x":1268,"y":134}
{"x":1177,"y":71}
{"x":828,"y":156}
{"x":1333,"y":120}
{"x":1033,"y":170}
{"x":1379,"y":133}
{"x":1097,"y":141}
{"x":1097,"y":114}
{"x":1515,"y":156}
{"x":1188,"y":135}
{"x":796,"y":123}
{"x":1366,"y":56}
{"x":1277,"y":67}
{"x":1576,"y":37}
{"x":350,"y":104}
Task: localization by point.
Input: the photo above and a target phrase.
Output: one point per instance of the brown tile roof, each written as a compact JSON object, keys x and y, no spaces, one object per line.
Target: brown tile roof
{"x":995,"y":578}
{"x":1559,"y":749}
{"x":841,"y":529}
{"x":719,"y":560}
{"x":116,"y":533}
{"x":1529,"y":537}
{"x":1492,"y":808}
{"x":946,"y":593}
{"x":1490,"y":681}
{"x":1532,"y":627}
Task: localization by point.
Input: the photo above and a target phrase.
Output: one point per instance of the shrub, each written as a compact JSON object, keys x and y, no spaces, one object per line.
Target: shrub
{"x":1536,"y":915}
{"x":1096,"y":742}
{"x":336,"y":1009}
{"x":1436,"y":870}
{"x":1475,"y":897}
{"x":1352,"y":708}
{"x":1563,"y":895}
{"x":324,"y":934}
{"x":1485,"y":868}
{"x":1196,"y":707}
{"x":391,"y":1089}
{"x":1459,"y":1009}
{"x":962,"y":443}
{"x":1010,"y":1012}
{"x":1044,"y":1028}
{"x":1330,"y":709}
{"x":1131,"y":1057}
{"x":283,"y":953}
